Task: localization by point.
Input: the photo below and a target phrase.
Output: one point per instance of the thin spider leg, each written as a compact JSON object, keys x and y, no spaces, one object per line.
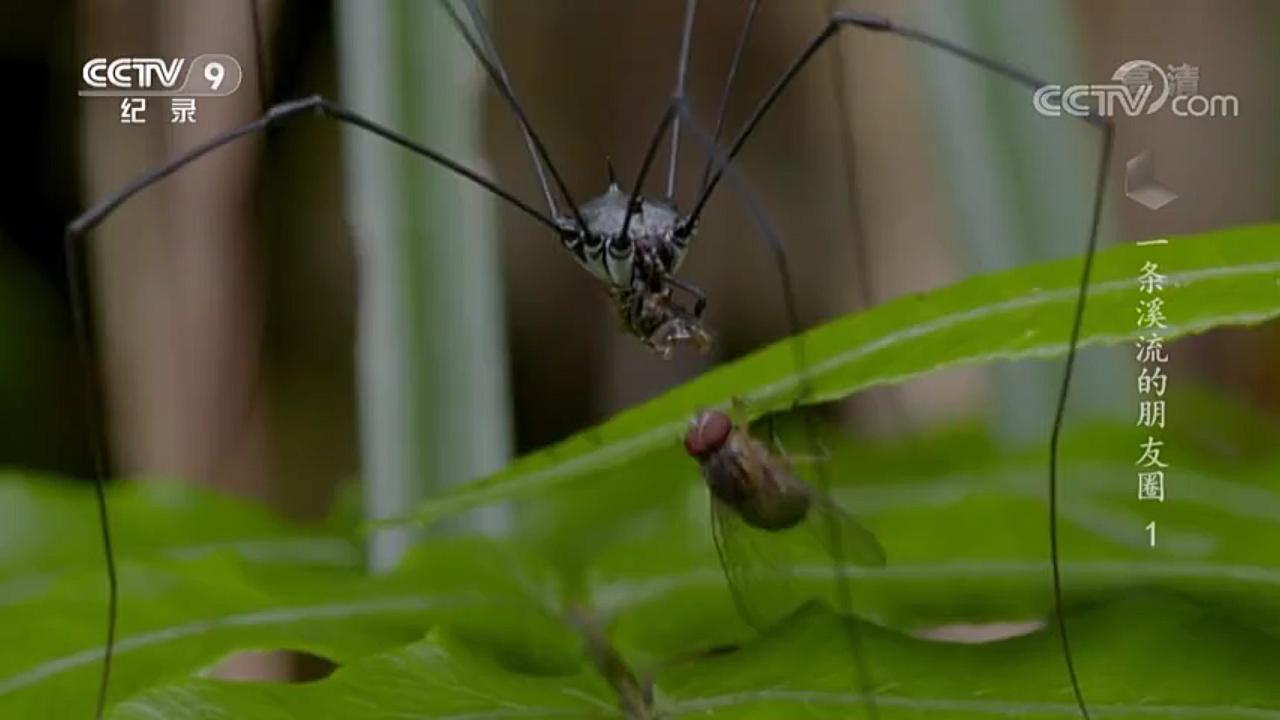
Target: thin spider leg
{"x":844,"y":595}
{"x":514,"y":104}
{"x":97,"y":449}
{"x":491,"y":51}
{"x":839,"y":84}
{"x":285,"y":111}
{"x":863,"y":276}
{"x":94,"y":216}
{"x":1059,"y":411}
{"x":876,"y":23}
{"x":77,"y":279}
{"x":773,"y":241}
{"x":682,"y":71}
{"x":734,"y":64}
{"x":633,"y":202}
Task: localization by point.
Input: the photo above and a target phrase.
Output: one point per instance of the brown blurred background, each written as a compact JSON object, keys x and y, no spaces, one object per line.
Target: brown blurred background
{"x":227,"y":298}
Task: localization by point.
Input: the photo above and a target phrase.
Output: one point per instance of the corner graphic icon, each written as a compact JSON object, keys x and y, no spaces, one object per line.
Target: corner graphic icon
{"x":1141,"y":186}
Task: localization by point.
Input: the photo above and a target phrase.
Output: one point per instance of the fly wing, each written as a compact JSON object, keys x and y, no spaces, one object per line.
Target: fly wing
{"x":724,"y":532}
{"x":755,"y":565}
{"x":759,"y":563}
{"x":857,"y":544}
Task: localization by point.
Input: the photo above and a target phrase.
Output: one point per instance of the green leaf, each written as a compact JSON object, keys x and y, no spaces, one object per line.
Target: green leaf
{"x":50,"y":525}
{"x":963,"y":519}
{"x":803,"y":668}
{"x":1227,"y":277}
{"x":240,"y":583}
{"x":1131,"y":654}
{"x":178,"y":618}
{"x":439,"y":677}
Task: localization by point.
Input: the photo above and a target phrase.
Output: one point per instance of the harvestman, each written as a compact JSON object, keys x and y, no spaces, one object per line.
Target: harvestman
{"x":632,"y":243}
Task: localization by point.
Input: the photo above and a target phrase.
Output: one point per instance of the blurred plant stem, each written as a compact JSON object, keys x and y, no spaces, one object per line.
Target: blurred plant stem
{"x":431,"y":357}
{"x":1021,"y":185}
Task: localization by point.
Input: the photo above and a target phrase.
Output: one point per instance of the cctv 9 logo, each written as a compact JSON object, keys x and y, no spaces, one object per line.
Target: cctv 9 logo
{"x":208,"y":75}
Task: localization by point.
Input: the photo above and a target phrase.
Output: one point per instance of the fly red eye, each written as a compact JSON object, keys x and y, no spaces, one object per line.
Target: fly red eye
{"x":708,"y":433}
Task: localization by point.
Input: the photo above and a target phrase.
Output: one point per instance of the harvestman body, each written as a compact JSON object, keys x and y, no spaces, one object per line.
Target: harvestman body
{"x":637,"y":254}
{"x":632,"y":244}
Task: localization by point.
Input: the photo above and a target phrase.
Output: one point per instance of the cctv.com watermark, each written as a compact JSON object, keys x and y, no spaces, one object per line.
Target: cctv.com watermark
{"x":1138,"y":87}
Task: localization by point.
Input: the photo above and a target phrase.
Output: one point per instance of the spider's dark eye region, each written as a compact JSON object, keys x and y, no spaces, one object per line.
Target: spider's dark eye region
{"x":620,"y":245}
{"x":592,"y":241}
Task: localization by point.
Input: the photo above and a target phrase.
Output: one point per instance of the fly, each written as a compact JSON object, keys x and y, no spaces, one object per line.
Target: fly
{"x":758,"y":503}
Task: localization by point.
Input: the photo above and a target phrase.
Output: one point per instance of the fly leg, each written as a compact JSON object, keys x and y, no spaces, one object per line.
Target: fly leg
{"x":823,"y":454}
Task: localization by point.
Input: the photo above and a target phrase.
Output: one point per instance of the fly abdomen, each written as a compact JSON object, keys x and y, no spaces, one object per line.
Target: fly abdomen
{"x":767,"y":498}
{"x":778,"y":506}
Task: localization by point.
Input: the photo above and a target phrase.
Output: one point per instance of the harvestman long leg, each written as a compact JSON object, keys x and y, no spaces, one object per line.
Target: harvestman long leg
{"x":678,"y":109}
{"x":490,"y":52}
{"x":773,"y":241}
{"x":841,"y":20}
{"x":676,"y":112}
{"x":753,"y":6}
{"x":283,"y":111}
{"x":93,"y":217}
{"x":492,"y":66}
{"x":853,"y":209}
{"x":835,"y":24}
{"x":275,"y":114}
{"x":682,"y":71}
